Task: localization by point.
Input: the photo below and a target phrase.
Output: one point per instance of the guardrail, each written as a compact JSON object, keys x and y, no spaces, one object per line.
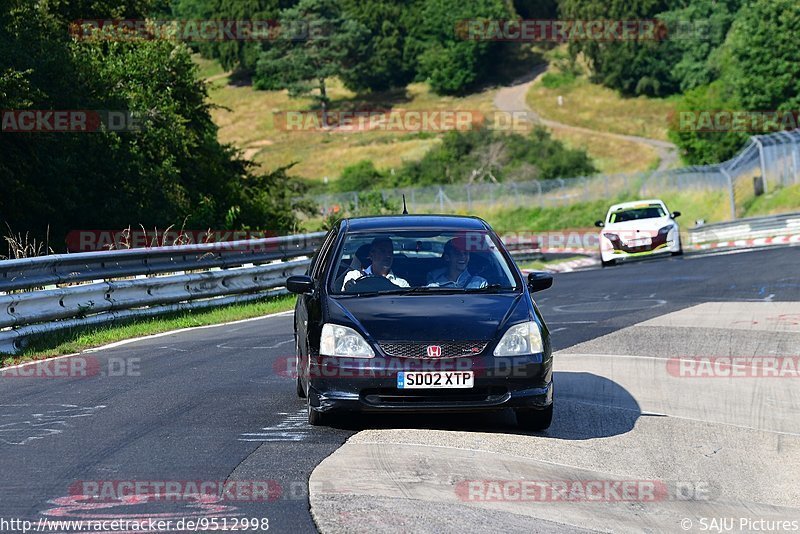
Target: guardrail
{"x":62,"y":291}
{"x":751,"y":228}
{"x":161,"y":280}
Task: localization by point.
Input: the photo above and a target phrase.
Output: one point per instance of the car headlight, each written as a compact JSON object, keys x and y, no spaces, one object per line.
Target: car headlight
{"x":665,"y":230}
{"x":337,"y":340}
{"x":611,"y":237}
{"x":525,"y":338}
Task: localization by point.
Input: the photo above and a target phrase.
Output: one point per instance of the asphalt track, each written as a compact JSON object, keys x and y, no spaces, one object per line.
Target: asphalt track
{"x":217,"y":405}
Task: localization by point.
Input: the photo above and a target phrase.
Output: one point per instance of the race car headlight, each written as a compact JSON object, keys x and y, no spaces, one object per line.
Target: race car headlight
{"x":611,"y":237}
{"x":665,"y":230}
{"x":525,"y":338}
{"x":337,"y":340}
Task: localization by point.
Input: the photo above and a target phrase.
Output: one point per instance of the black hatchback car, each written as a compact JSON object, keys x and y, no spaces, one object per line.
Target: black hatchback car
{"x":420,"y":313}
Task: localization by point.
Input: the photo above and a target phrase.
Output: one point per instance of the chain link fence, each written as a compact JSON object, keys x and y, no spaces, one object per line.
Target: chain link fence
{"x":768,"y":162}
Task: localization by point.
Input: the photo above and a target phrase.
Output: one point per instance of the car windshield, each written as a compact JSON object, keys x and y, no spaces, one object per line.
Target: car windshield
{"x":653,"y":211}
{"x":421,"y":262}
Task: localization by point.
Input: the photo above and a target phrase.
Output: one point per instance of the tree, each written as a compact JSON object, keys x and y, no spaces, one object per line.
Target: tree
{"x":235,"y":55}
{"x":705,"y":147}
{"x":171,"y":171}
{"x":762,"y":56}
{"x":451,"y":63}
{"x":316,"y":42}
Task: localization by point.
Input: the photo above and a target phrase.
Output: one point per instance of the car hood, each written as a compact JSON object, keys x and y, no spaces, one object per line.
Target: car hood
{"x":430,"y":317}
{"x":643,"y":225}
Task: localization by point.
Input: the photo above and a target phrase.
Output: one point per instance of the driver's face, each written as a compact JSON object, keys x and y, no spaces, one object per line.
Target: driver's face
{"x":382,"y":255}
{"x":457,"y":260}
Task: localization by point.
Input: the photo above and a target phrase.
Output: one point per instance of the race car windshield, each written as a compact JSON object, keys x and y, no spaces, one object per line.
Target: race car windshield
{"x":421,"y":262}
{"x":635,"y":214}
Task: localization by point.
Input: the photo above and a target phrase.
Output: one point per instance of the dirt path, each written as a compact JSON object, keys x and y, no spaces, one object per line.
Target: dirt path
{"x":512,"y":99}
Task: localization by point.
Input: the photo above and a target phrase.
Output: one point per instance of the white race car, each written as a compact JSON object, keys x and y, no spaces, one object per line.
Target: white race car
{"x":640,"y":228}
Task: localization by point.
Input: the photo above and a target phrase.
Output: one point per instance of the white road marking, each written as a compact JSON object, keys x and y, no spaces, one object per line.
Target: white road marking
{"x":293,"y":427}
{"x":39,"y":425}
{"x":275,"y":346}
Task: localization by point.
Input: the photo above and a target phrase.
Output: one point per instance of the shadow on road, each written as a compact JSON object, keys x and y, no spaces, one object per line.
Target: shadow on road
{"x":587,"y":406}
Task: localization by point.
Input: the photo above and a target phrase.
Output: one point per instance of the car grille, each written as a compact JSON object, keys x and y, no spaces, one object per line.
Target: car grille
{"x":456,"y":349}
{"x":444,"y":397}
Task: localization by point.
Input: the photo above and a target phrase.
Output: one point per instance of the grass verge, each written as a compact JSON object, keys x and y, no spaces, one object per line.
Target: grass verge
{"x":72,"y":341}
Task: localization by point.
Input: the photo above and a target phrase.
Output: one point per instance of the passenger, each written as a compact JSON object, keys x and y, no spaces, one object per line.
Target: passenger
{"x":455,"y":273}
{"x":381,"y":254}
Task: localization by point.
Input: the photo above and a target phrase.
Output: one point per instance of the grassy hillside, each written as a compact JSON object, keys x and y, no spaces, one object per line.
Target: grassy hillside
{"x":598,"y":108}
{"x":245,"y":118}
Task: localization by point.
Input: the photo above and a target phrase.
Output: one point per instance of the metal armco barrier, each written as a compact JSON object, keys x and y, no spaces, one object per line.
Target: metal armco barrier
{"x":145,"y":282}
{"x":751,"y":228}
{"x":195,"y":277}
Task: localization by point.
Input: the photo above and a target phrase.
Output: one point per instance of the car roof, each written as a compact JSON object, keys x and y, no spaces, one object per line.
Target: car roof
{"x":410,"y":222}
{"x":635,"y":203}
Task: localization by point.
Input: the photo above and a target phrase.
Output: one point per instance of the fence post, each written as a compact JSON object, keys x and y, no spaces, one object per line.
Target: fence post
{"x":355,"y":200}
{"x":541,"y":198}
{"x":441,"y":200}
{"x":469,"y":197}
{"x":763,"y":163}
{"x":730,"y":191}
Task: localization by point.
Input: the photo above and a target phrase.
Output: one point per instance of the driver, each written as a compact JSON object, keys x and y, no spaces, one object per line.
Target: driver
{"x":455,"y":273}
{"x":381,"y":253}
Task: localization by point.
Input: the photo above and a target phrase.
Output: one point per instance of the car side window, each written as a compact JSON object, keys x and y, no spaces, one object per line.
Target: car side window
{"x":318,"y":264}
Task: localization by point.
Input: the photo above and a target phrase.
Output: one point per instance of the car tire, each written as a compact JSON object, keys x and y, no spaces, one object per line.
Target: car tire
{"x":533,"y":419}
{"x":301,"y":391}
{"x":315,"y":418}
{"x":678,"y":252}
{"x":608,"y":263}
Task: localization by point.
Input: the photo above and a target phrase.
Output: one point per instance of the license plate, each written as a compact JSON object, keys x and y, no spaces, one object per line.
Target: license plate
{"x":435,"y":379}
{"x":640,"y":242}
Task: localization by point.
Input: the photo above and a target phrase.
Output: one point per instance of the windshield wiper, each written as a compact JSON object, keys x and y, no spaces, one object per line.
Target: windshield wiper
{"x":491,"y":288}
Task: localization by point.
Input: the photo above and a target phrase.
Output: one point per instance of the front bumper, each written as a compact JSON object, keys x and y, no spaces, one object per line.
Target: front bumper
{"x":371,"y":385}
{"x":660,"y":244}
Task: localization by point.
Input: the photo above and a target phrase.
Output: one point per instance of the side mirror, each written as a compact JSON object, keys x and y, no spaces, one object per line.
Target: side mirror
{"x":599,"y":224}
{"x":539,"y":281}
{"x":676,"y":214}
{"x":300,"y":284}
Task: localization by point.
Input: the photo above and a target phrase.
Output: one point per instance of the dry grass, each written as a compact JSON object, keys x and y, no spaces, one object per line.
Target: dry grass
{"x":24,"y":246}
{"x":611,"y":156}
{"x":245,"y":118}
{"x":598,"y":108}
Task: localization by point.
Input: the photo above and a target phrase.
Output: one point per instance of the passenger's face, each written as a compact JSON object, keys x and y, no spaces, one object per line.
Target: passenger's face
{"x":381,"y":255}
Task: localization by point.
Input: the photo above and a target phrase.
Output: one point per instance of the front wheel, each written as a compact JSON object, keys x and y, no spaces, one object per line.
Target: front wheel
{"x":532,"y":419}
{"x":315,"y":418}
{"x":301,"y":392}
{"x":608,"y":263}
{"x":678,"y":252}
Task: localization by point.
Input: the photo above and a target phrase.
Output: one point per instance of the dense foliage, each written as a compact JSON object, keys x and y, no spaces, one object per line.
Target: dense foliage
{"x":171,"y":171}
{"x":478,"y":155}
{"x":405,"y":40}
